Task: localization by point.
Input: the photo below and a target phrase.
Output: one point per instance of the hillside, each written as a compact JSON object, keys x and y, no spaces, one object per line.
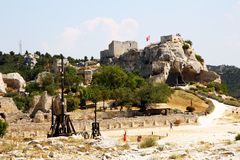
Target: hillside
{"x":231,"y":76}
{"x":181,"y":99}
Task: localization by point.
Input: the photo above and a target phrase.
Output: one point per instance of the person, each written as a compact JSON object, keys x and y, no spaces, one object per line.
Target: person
{"x":125,"y":136}
{"x":171,"y":125}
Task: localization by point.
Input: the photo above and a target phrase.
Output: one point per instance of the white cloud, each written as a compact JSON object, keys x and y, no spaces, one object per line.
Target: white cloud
{"x":92,"y":34}
{"x":126,"y":29}
{"x":68,"y":38}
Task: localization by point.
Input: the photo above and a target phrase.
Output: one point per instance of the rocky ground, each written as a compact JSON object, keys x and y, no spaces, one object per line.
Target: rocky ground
{"x":213,"y":140}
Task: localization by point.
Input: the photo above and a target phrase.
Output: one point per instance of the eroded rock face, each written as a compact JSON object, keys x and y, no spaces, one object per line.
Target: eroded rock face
{"x":2,"y":85}
{"x":14,"y":81}
{"x":164,"y":62}
{"x":7,"y":105}
{"x":42,"y":103}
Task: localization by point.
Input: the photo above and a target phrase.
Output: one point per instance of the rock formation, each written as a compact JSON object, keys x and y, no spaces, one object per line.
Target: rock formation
{"x":2,"y":85}
{"x":7,"y":105}
{"x":41,"y":76}
{"x":39,"y":117}
{"x":42,"y":103}
{"x":173,"y":60}
{"x":14,"y":81}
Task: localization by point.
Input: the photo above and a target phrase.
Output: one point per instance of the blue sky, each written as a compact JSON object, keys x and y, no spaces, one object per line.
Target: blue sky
{"x":77,"y":28}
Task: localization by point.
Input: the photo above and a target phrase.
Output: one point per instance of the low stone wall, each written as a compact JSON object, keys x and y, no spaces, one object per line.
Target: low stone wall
{"x":40,"y":130}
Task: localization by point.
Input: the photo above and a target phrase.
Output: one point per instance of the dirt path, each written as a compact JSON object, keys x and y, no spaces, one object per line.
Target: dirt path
{"x":208,"y":129}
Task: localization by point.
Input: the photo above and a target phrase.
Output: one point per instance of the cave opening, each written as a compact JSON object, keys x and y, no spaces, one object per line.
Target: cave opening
{"x":175,"y":79}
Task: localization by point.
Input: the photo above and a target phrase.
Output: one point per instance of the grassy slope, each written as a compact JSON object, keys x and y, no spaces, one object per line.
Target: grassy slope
{"x":181,"y":99}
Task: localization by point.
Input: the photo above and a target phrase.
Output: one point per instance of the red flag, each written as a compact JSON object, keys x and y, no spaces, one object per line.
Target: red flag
{"x":148,"y":38}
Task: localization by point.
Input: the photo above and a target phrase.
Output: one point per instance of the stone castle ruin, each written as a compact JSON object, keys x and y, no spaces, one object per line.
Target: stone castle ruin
{"x":166,"y":61}
{"x":116,"y":49}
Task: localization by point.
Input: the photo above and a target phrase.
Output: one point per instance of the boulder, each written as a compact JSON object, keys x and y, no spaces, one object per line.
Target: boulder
{"x":42,"y":103}
{"x":2,"y":85}
{"x":7,"y":105}
{"x":39,"y":117}
{"x":14,"y":81}
{"x":208,"y":76}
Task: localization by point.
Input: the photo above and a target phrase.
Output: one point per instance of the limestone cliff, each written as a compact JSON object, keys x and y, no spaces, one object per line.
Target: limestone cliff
{"x":173,"y":60}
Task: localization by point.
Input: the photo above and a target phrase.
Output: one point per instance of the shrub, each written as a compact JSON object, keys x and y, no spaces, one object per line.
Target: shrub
{"x":189,"y":42}
{"x":148,"y":142}
{"x":10,"y":94}
{"x":3,"y":128}
{"x":232,"y":102}
{"x":237,"y":138}
{"x":199,"y":58}
{"x":72,"y":103}
{"x":190,"y":109}
{"x":174,"y":156}
{"x":186,"y":46}
{"x":160,"y":148}
{"x":22,"y":103}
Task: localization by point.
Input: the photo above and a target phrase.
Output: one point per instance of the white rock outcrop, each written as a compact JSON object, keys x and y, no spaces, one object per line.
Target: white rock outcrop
{"x":7,"y":105}
{"x":2,"y":85}
{"x":14,"y":81}
{"x":168,"y":61}
{"x":42,"y":103}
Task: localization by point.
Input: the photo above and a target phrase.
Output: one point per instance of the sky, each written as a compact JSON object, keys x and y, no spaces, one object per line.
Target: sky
{"x":79,"y":28}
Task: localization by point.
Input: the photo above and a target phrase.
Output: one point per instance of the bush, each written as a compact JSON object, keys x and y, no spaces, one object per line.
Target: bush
{"x":10,"y":94}
{"x":190,"y":109}
{"x":237,"y":138}
{"x":189,"y":42}
{"x":148,"y":142}
{"x":3,"y":128}
{"x":72,"y":103}
{"x":160,"y":148}
{"x":199,"y":58}
{"x":186,"y":46}
{"x":232,"y":102}
{"x":22,"y":103}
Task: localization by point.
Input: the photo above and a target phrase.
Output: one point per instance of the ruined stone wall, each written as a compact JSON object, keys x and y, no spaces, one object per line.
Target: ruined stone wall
{"x":172,"y":38}
{"x":30,"y":130}
{"x":117,"y":48}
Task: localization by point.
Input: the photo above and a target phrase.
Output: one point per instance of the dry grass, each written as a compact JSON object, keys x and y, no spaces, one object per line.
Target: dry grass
{"x":181,"y":99}
{"x":134,"y":138}
{"x":204,"y":146}
{"x":7,"y":146}
{"x":148,"y":142}
{"x":71,"y":140}
{"x":124,"y":147}
{"x":177,"y":156}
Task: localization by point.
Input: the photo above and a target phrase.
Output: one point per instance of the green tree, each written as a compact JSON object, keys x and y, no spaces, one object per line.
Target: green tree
{"x":71,"y":78}
{"x":123,"y":96}
{"x":85,"y":58}
{"x":150,"y":93}
{"x":111,"y":77}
